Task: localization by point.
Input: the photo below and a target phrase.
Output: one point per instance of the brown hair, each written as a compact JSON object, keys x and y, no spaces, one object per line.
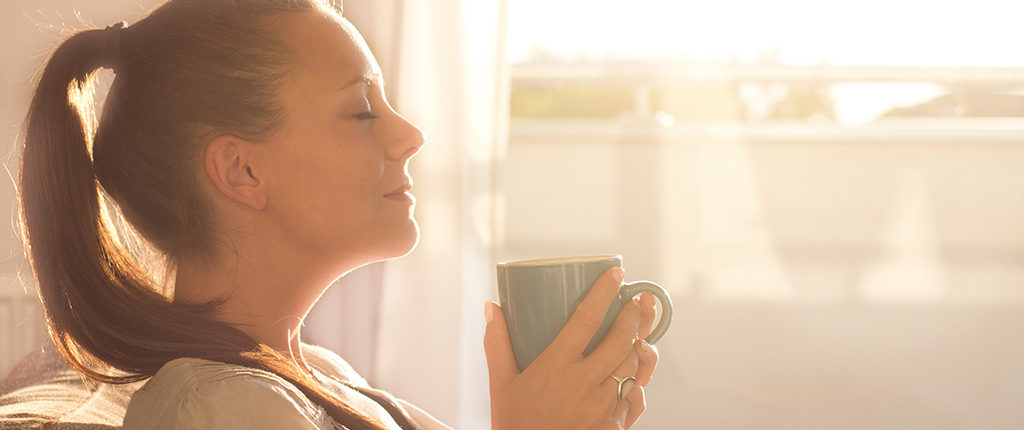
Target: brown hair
{"x":190,"y":70}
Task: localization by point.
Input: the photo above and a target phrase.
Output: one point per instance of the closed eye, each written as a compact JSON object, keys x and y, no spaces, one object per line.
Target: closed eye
{"x":366,"y":115}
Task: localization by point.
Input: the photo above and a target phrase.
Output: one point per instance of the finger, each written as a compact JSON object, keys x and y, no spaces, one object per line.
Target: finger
{"x":617,"y":343}
{"x":501,"y":361}
{"x":621,"y":414}
{"x":637,"y":401}
{"x":574,"y":337}
{"x":647,"y":355}
{"x":647,"y":302}
{"x":622,"y":411}
{"x":628,"y":367}
{"x":608,"y":407}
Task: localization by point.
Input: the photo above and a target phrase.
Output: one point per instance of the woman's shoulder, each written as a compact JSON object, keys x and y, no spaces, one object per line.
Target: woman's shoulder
{"x":194,"y":393}
{"x":332,"y":364}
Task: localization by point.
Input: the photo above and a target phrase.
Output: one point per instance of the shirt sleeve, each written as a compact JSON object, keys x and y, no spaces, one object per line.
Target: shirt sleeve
{"x":241,"y":401}
{"x":427,"y":421}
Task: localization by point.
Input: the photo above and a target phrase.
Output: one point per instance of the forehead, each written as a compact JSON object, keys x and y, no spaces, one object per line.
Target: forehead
{"x":329,"y":48}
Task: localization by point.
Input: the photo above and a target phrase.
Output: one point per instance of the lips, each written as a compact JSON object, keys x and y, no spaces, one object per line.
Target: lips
{"x":404,"y":188}
{"x":402,"y":194}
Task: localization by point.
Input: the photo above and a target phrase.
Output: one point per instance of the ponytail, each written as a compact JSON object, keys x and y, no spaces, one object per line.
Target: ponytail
{"x":100,"y":307}
{"x":103,"y":311}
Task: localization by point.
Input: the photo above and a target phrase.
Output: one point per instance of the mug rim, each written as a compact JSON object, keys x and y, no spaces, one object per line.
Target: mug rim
{"x":532,"y":262}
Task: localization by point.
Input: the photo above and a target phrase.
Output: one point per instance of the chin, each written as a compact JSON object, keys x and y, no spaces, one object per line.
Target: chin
{"x":411,"y":239}
{"x":394,"y":247}
{"x":402,"y":243}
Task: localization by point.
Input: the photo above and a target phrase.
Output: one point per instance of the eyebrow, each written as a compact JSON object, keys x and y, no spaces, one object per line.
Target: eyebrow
{"x":369,"y":79}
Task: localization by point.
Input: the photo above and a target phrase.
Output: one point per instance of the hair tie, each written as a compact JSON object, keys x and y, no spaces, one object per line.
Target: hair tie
{"x":112,"y":45}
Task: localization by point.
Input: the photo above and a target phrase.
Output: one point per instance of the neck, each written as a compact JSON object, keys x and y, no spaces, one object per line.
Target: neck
{"x":266,"y":295}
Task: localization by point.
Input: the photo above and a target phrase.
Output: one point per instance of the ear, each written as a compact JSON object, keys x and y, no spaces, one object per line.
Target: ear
{"x":229,"y":164}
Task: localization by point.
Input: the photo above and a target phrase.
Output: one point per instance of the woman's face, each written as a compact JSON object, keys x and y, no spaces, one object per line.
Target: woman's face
{"x":338,"y":168}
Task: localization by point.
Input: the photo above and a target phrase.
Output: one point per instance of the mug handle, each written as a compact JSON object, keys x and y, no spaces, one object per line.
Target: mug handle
{"x":631,"y":289}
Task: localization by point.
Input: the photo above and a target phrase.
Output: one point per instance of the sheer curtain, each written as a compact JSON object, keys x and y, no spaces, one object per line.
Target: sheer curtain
{"x":414,"y":326}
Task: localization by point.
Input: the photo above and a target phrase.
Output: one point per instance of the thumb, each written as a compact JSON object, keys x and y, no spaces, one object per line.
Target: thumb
{"x":501,"y":361}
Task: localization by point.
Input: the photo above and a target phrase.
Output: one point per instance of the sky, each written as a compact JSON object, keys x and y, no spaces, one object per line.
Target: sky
{"x":801,"y":32}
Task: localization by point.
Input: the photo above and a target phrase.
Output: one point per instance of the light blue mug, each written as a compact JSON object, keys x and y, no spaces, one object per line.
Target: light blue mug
{"x":539,"y":296}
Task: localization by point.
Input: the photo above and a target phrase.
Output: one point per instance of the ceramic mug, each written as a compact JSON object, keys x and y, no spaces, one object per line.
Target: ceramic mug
{"x":539,"y":296}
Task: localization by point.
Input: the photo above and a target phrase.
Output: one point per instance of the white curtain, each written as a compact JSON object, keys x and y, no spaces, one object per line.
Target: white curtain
{"x":414,"y":326}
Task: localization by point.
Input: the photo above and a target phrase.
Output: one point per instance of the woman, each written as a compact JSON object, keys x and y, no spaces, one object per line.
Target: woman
{"x":250,"y":144}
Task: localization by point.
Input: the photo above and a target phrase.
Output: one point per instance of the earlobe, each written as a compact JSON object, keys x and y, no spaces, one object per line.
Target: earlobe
{"x":228,"y":162}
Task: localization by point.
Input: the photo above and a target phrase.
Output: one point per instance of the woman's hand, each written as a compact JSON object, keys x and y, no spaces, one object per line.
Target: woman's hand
{"x":562,"y":389}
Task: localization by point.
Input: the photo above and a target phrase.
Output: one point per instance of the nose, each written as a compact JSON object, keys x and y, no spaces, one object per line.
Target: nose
{"x":406,"y":141}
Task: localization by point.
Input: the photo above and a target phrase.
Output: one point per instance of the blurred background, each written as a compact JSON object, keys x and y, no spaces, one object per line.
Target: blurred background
{"x":833,"y":193}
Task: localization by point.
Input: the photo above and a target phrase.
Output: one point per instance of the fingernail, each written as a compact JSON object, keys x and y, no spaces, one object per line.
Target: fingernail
{"x":488,"y":312}
{"x":617,"y":274}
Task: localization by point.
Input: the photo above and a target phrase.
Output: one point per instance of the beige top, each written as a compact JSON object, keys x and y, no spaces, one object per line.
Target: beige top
{"x":196,"y":394}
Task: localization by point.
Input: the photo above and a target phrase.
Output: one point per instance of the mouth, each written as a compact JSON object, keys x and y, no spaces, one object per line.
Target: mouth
{"x":401,"y":194}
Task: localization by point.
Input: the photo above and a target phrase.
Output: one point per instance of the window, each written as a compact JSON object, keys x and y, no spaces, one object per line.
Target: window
{"x":833,"y":192}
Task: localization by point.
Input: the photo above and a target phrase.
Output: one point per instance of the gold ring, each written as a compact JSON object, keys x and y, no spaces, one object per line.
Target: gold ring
{"x":625,"y":384}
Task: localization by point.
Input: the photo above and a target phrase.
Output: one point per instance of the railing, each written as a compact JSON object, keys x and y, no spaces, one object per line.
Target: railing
{"x":962,"y":131}
{"x":643,"y":78}
{"x":21,"y":328}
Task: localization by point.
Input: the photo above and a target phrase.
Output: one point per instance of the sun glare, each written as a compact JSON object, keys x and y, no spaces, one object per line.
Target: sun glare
{"x":799,"y":32}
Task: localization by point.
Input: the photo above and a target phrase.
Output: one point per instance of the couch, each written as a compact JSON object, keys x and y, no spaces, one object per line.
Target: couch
{"x":43,"y":392}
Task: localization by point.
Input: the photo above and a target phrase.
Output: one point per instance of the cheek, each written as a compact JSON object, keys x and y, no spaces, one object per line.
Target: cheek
{"x":331,"y":190}
{"x":348,"y":189}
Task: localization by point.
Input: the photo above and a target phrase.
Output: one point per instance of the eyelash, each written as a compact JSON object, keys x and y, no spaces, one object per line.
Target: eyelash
{"x":367,"y":115}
